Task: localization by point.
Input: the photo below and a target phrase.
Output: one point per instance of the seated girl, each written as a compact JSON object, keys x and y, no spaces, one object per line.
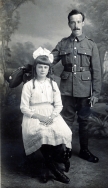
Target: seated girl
{"x":42,"y":126}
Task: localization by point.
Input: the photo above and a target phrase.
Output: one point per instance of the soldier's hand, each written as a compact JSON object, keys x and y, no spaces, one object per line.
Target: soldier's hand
{"x":93,"y":100}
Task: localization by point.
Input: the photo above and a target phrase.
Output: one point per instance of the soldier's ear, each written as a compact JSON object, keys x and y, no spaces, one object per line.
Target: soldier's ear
{"x":83,"y":23}
{"x":68,"y":24}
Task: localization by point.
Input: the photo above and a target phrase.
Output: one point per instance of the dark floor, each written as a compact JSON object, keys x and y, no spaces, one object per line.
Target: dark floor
{"x":83,"y":174}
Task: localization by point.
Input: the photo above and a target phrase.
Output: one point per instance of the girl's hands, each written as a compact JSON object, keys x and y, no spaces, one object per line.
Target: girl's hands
{"x":49,"y":120}
{"x":45,"y":120}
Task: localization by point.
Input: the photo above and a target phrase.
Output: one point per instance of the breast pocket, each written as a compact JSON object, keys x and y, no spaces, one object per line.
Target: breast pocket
{"x":85,"y":51}
{"x":85,"y":56}
{"x":66,"y":54}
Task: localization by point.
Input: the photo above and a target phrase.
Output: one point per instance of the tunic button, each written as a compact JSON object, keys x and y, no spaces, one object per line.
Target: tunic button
{"x":74,"y":56}
{"x":65,"y":52}
{"x":75,"y":39}
{"x":10,"y":77}
{"x":85,"y":52}
{"x":74,"y":47}
{"x":88,"y":78}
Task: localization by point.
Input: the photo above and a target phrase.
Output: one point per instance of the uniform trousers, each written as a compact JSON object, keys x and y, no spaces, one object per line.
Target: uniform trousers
{"x":81,"y":106}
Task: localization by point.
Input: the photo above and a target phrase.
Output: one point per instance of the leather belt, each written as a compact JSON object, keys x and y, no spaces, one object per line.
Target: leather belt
{"x":76,"y":69}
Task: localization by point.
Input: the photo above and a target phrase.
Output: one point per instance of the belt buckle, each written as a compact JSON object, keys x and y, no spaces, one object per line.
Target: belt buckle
{"x":81,"y":69}
{"x":74,"y":69}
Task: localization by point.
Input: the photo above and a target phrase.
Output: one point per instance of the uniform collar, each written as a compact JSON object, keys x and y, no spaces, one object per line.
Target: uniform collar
{"x":79,"y":38}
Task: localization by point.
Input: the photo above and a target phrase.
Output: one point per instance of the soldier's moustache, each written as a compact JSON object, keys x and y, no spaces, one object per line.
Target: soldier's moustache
{"x":76,"y":29}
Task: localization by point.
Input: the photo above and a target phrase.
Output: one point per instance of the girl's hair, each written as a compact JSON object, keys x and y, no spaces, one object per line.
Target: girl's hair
{"x":42,"y":59}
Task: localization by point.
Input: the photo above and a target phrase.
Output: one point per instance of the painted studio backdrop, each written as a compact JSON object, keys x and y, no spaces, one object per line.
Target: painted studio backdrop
{"x":26,"y":25}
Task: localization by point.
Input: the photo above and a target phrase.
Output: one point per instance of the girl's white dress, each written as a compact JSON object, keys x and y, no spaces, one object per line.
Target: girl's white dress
{"x":44,"y":101}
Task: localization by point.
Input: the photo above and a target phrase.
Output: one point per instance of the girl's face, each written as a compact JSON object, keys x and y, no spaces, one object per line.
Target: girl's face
{"x":42,"y":70}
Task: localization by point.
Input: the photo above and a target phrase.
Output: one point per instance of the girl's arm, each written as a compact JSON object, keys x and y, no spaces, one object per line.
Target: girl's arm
{"x":57,"y":100}
{"x":25,"y":100}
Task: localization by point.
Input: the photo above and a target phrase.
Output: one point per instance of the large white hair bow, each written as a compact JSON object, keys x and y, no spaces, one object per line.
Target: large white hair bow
{"x":43,"y":51}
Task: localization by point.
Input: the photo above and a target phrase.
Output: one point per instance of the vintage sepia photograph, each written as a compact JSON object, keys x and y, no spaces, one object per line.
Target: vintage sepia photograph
{"x":54,"y":93}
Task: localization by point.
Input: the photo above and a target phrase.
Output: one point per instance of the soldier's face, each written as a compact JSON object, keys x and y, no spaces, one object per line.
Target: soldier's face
{"x":76,"y":24}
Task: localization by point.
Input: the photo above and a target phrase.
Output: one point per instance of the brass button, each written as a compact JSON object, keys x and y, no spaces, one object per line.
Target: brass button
{"x":10,"y":77}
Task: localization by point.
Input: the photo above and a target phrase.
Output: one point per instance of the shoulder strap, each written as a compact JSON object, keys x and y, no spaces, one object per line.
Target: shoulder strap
{"x":89,"y":38}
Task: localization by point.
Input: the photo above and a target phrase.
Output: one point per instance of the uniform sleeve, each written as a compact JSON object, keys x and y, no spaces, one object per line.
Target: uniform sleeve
{"x":25,"y":100}
{"x":96,"y":72}
{"x":57,"y":100}
{"x":56,"y":53}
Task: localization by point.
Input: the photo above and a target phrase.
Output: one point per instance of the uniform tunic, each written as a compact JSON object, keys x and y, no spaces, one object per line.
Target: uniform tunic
{"x":44,"y":101}
{"x":82,"y":53}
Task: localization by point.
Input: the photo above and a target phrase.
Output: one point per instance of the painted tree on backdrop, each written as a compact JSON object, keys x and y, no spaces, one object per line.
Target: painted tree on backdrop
{"x":9,"y":21}
{"x":21,"y":54}
{"x":97,"y":22}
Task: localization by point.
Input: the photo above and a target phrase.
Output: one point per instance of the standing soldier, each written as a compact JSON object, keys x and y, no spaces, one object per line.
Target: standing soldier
{"x":82,"y":71}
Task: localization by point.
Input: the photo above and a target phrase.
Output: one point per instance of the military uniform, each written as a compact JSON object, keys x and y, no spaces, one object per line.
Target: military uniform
{"x":80,"y":78}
